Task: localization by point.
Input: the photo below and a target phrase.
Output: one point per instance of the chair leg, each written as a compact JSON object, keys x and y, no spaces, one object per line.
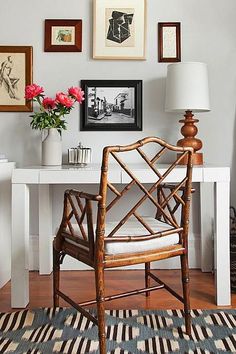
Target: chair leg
{"x":56,"y":276}
{"x":186,"y":292}
{"x":99,"y":274}
{"x":147,"y":278}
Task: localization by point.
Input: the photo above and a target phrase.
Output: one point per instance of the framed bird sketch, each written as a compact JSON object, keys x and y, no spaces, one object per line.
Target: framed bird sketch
{"x":15,"y":74}
{"x":119,"y":29}
{"x":63,"y":35}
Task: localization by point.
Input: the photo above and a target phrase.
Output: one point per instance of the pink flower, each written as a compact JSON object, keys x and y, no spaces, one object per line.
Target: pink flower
{"x":32,"y":91}
{"x":76,"y":93}
{"x":63,"y":99}
{"x":48,"y":103}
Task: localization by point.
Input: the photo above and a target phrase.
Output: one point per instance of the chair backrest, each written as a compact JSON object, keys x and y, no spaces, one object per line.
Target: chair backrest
{"x":168,"y":197}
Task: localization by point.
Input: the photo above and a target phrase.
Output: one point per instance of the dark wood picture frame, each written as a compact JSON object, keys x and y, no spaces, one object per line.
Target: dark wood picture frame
{"x":112,"y":105}
{"x":174,"y":42}
{"x":16,"y":72}
{"x":56,"y":40}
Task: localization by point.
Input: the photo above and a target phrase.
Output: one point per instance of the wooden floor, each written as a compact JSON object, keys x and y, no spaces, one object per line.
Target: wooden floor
{"x":80,"y":286}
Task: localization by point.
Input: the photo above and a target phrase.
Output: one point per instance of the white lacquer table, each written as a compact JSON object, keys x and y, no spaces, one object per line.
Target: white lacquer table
{"x":5,"y":221}
{"x":45,"y":177}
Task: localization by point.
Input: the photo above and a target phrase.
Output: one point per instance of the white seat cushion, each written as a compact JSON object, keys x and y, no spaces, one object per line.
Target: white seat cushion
{"x":133,"y":227}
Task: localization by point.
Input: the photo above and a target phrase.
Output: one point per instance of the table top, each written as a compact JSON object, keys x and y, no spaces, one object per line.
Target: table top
{"x":69,"y":174}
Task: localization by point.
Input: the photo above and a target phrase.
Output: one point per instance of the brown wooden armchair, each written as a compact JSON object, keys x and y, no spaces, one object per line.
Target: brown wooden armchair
{"x":133,"y":239}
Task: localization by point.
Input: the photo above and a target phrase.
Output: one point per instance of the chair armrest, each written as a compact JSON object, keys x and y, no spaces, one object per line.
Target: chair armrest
{"x":84,"y":195}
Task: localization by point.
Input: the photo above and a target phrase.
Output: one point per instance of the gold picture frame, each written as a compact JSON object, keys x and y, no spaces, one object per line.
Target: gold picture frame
{"x":15,"y":74}
{"x":119,"y":29}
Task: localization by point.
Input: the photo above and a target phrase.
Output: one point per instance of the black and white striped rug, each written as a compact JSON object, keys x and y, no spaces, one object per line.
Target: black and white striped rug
{"x":63,"y":330}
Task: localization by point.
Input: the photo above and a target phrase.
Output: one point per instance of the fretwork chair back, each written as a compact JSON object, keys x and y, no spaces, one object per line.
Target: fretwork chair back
{"x":133,"y":239}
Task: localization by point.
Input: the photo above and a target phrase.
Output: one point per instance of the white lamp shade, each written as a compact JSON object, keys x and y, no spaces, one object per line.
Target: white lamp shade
{"x":187,"y":87}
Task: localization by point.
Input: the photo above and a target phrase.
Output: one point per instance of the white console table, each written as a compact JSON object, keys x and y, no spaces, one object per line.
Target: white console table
{"x":5,"y":221}
{"x":45,"y":177}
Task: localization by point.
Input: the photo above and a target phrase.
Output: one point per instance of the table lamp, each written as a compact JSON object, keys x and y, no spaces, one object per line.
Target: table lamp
{"x":187,"y":92}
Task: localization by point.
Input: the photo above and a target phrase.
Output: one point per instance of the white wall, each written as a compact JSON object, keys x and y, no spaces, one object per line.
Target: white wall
{"x":208,"y":35}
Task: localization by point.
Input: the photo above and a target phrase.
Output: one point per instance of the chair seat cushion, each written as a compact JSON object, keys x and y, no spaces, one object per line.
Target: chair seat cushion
{"x":134,"y":228}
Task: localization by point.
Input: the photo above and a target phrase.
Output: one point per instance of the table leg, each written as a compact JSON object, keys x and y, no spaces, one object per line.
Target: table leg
{"x":45,"y":229}
{"x":207,"y":226}
{"x":20,"y":246}
{"x":222,"y":244}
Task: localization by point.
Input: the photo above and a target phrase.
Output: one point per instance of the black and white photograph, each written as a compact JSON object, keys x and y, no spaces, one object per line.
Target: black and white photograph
{"x":112,"y":105}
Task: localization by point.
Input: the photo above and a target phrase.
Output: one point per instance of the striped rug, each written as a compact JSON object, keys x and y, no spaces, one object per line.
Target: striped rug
{"x":63,"y":330}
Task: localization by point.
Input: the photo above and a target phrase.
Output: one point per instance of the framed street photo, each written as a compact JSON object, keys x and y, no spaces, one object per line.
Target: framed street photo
{"x":111,"y":105}
{"x":169,"y":42}
{"x":63,"y":36}
{"x":119,"y":29}
{"x":15,"y":74}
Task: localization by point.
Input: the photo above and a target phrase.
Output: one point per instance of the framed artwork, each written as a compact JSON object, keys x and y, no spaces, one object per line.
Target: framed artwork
{"x":119,"y":29}
{"x":169,"y":46}
{"x":111,"y":105}
{"x":15,"y":74}
{"x":63,"y":36}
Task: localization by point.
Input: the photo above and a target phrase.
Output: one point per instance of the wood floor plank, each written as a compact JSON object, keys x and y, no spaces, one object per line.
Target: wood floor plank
{"x":80,"y":286}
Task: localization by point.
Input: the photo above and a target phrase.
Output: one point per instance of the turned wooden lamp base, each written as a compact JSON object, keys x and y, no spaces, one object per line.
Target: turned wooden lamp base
{"x":197,"y":159}
{"x":189,"y":130}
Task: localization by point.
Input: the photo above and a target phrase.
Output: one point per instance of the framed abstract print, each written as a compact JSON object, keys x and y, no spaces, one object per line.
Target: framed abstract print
{"x":119,"y":29}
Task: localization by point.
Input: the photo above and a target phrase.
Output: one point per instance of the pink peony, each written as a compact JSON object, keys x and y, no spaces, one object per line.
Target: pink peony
{"x":32,"y":91}
{"x":76,"y":93}
{"x":48,"y":103}
{"x":63,"y":99}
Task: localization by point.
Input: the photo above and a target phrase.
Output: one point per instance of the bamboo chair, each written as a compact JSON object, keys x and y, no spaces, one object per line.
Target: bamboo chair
{"x":133,"y":239}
